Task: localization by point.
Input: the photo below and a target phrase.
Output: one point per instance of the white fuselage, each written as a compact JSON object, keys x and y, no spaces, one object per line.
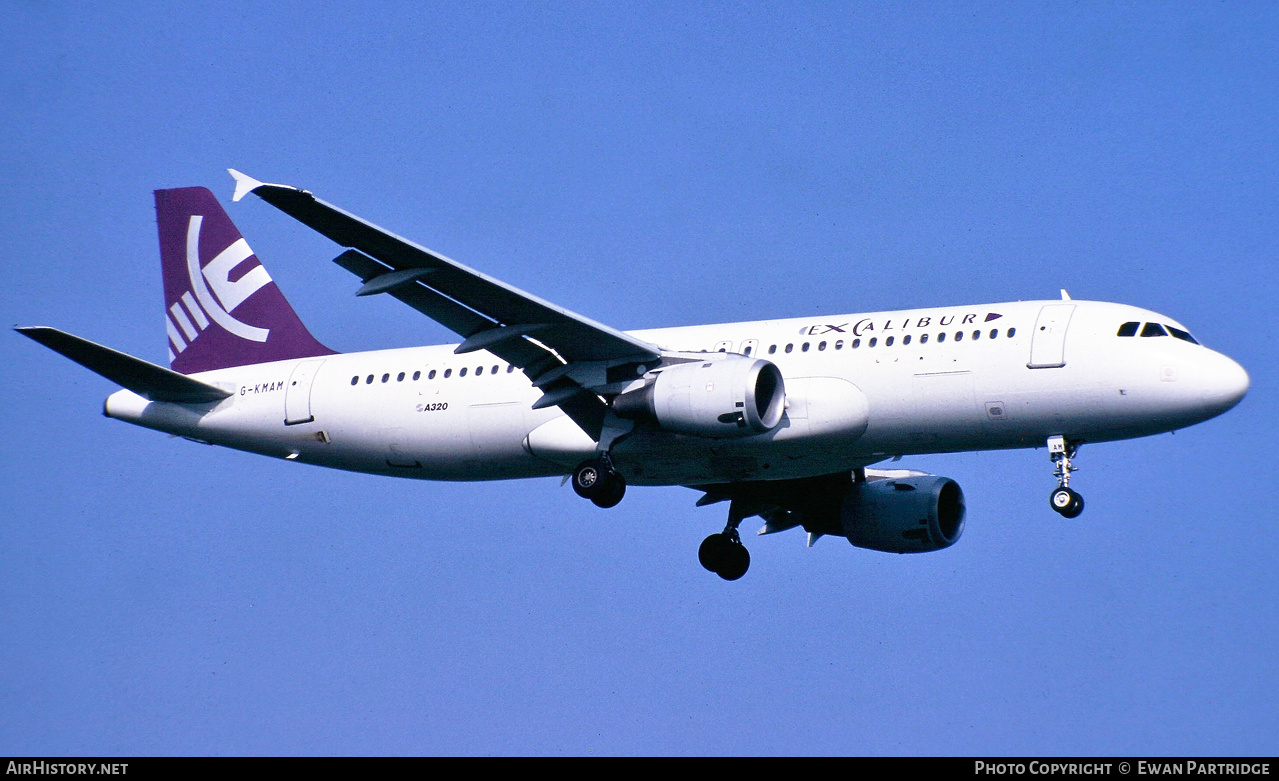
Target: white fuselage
{"x":428,"y":413}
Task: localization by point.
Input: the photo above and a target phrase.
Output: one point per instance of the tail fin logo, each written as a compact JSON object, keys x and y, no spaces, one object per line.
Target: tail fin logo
{"x":213,"y":280}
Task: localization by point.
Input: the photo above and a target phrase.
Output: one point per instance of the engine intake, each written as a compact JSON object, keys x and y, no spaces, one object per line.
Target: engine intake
{"x":913,"y":514}
{"x":731,"y":397}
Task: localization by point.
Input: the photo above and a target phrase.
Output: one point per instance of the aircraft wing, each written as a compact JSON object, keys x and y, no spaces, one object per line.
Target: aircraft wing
{"x":563,"y":353}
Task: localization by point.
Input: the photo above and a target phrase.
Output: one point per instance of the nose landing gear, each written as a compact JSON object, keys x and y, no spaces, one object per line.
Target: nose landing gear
{"x":1064,"y":500}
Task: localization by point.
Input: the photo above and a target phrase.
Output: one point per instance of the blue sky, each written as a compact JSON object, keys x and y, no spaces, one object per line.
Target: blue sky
{"x":645,"y":165}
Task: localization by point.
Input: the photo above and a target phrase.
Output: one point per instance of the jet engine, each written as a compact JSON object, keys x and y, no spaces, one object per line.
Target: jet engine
{"x":914,"y":513}
{"x":730,"y":397}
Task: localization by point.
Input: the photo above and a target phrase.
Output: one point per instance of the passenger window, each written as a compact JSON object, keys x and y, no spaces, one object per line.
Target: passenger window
{"x":923,"y":338}
{"x":417,"y":376}
{"x":479,"y":370}
{"x":1182,"y":335}
{"x":839,"y":344}
{"x":821,"y":346}
{"x":872,"y":341}
{"x":431,"y":375}
{"x":959,"y":336}
{"x":355,"y":380}
{"x":510,"y":368}
{"x":889,"y":341}
{"x":906,"y":339}
{"x":400,"y":377}
{"x":804,"y":348}
{"x":461,"y":372}
{"x":772,"y":348}
{"x":1153,"y":329}
{"x":994,"y":333}
{"x":856,"y":343}
{"x":976,"y":334}
{"x":1012,"y":332}
{"x":493,"y":370}
{"x":369,"y":380}
{"x":1128,"y":329}
{"x":941,"y":337}
{"x":386,"y":377}
{"x":748,"y":349}
{"x":448,"y":373}
{"x":790,"y":347}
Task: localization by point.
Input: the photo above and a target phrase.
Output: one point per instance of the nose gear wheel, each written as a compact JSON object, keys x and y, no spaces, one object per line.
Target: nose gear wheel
{"x":1067,"y":502}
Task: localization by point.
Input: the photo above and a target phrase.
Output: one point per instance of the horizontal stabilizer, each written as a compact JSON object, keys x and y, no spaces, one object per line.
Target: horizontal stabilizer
{"x":142,"y":377}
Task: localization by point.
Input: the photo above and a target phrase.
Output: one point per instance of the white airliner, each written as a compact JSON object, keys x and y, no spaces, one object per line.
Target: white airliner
{"x":781,"y":418}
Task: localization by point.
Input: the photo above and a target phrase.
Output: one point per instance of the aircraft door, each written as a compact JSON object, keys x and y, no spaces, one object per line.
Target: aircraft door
{"x":1048,"y":342}
{"x":297,"y":395}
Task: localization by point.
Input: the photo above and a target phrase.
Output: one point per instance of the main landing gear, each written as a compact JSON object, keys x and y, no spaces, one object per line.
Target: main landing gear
{"x":1065,"y":501}
{"x":597,"y":480}
{"x":723,"y":553}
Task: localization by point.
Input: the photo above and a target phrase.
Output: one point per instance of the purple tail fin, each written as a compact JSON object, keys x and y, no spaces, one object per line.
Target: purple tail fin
{"x":222,"y":309}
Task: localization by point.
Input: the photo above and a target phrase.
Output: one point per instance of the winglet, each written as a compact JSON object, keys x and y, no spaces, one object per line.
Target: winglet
{"x":244,"y":184}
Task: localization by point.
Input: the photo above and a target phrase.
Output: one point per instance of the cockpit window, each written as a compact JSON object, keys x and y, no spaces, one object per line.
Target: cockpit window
{"x":1153,"y":329}
{"x":1128,"y":329}
{"x":1182,"y":335}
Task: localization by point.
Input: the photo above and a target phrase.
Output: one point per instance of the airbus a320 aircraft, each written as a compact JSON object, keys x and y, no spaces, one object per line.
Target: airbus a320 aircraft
{"x":780,"y":418}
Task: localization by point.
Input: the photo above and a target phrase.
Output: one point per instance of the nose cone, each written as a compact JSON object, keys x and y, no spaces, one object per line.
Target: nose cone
{"x":1225,"y":385}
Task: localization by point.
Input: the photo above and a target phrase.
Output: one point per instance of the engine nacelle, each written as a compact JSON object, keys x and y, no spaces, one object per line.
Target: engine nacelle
{"x":911,"y":514}
{"x":730,"y":397}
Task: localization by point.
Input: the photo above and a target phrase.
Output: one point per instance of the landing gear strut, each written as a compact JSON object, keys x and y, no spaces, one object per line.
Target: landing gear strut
{"x":1064,"y":500}
{"x":597,"y":480}
{"x":723,"y":553}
